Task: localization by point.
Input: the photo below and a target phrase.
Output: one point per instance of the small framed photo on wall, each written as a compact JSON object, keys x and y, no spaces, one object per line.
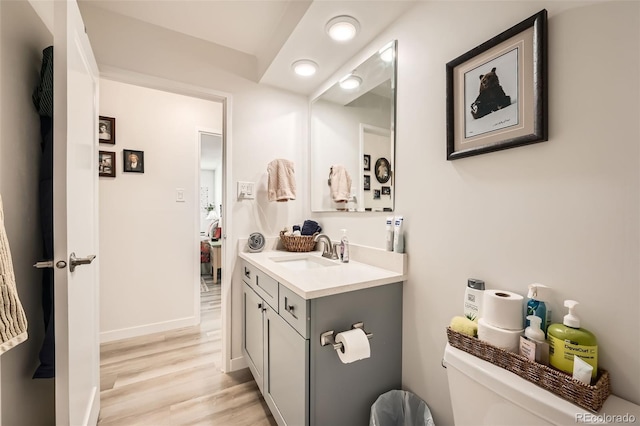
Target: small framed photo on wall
{"x":386,"y":190}
{"x":367,"y":182}
{"x":133,"y":160}
{"x":107,"y":164}
{"x":367,"y":162}
{"x":376,"y":194}
{"x":107,"y":130}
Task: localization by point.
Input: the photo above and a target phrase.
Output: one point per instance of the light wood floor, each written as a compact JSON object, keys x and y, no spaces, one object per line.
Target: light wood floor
{"x":174,"y":378}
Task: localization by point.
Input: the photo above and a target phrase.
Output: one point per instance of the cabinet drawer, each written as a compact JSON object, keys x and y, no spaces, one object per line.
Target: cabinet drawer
{"x":295,"y":310}
{"x":261,"y":283}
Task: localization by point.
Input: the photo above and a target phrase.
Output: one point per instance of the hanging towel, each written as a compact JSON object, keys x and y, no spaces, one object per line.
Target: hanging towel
{"x":340,"y":183}
{"x":282,"y":180}
{"x":13,"y":321}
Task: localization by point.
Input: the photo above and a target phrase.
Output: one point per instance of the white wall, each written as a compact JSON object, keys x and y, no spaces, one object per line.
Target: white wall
{"x":563,"y":212}
{"x":150,"y":261}
{"x":22,"y":38}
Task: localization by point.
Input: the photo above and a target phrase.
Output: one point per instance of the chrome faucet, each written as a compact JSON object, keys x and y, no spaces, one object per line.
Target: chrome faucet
{"x":329,"y":250}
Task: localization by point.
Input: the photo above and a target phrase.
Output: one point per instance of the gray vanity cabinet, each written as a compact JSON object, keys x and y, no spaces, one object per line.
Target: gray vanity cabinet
{"x":287,"y":371}
{"x":303,"y":382}
{"x":253,"y":333}
{"x":278,"y":356}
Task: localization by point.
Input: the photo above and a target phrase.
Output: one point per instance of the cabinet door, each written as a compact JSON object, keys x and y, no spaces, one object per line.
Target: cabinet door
{"x":287,"y":372}
{"x":253,"y":333}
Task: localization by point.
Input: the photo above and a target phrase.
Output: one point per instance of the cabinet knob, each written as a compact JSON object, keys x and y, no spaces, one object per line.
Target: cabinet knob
{"x":289,"y":308}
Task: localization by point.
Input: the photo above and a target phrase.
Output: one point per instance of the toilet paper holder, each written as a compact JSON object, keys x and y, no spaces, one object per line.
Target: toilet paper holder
{"x":329,"y":337}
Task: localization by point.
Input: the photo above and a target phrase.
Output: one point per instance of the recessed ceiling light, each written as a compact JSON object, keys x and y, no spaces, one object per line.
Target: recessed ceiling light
{"x":350,"y":82}
{"x":304,"y":67}
{"x":343,"y":28}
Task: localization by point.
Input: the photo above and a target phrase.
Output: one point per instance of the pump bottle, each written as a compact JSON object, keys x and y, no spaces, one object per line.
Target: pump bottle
{"x":344,"y":247}
{"x":537,"y":296}
{"x":567,"y":340}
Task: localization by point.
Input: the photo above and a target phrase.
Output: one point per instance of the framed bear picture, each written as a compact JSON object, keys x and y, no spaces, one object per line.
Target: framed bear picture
{"x":497,"y":92}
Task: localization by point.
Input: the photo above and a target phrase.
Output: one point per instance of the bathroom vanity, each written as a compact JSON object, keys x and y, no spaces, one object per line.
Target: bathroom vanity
{"x":290,"y":300}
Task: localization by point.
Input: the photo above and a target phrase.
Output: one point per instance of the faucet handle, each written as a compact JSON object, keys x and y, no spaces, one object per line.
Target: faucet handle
{"x":334,"y":252}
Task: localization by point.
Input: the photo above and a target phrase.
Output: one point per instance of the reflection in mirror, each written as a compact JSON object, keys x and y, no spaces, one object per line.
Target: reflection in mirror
{"x":352,"y":143}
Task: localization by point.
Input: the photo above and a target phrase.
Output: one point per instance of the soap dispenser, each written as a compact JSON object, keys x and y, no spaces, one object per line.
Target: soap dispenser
{"x":344,"y":247}
{"x":567,"y":340}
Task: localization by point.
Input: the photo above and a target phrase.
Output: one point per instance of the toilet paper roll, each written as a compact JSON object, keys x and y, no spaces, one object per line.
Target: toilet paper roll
{"x":503,"y":309}
{"x":355,"y":345}
{"x":508,"y":340}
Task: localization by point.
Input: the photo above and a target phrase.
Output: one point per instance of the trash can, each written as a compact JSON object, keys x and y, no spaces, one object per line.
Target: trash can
{"x":400,"y":408}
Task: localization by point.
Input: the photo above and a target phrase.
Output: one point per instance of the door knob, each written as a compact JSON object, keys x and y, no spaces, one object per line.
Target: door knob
{"x":77,"y":261}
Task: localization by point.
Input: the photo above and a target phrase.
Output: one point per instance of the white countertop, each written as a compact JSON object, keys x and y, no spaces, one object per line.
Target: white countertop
{"x":334,"y":279}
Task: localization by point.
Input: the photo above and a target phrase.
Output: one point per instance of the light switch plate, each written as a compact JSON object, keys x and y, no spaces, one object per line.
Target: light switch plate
{"x":179,"y":195}
{"x":246,"y":190}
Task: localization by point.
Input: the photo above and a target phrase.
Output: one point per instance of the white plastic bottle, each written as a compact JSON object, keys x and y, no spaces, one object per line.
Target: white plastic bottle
{"x":389,"y":233}
{"x":398,"y":235}
{"x":473,"y":297}
{"x":344,"y":247}
{"x":533,"y":333}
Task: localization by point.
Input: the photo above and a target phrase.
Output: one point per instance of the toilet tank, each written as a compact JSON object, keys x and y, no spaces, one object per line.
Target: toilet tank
{"x":485,"y":394}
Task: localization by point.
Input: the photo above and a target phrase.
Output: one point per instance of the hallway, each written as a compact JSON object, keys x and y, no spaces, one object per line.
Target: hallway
{"x":174,"y":378}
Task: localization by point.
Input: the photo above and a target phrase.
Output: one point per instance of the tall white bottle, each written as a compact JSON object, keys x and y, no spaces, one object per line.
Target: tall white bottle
{"x":389,"y":233}
{"x":398,"y":235}
{"x":344,"y":247}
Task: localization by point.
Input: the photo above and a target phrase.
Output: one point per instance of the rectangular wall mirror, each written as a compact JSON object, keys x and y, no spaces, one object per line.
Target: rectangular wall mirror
{"x":352,"y":138}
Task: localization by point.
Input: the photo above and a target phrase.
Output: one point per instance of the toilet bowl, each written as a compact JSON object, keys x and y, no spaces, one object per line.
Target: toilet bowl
{"x":485,"y":394}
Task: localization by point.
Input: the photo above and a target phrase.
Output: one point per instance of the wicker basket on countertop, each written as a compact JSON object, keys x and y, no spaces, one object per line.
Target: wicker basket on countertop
{"x":299,"y":243}
{"x":591,"y":397}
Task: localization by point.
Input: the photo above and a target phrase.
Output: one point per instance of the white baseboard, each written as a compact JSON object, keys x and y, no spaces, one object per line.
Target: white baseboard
{"x":143,"y":330}
{"x":238,"y":364}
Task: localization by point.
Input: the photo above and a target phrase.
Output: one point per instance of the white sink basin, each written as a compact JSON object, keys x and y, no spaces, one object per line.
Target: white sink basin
{"x":304,"y":262}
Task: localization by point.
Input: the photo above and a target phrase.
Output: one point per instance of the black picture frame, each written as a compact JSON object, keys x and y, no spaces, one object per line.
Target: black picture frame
{"x":107,"y":130}
{"x":130,"y":165}
{"x":367,"y":162}
{"x":497,"y":92}
{"x":106,"y":164}
{"x":382,"y":170}
{"x":386,"y":190}
{"x":367,"y":182}
{"x":376,"y":194}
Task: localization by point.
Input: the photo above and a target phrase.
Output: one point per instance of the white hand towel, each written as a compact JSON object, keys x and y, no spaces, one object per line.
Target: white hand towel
{"x":13,"y":321}
{"x":282,"y":180}
{"x":340,"y":184}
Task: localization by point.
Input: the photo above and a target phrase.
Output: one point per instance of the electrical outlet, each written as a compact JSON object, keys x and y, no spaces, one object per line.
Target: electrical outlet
{"x":246,"y":190}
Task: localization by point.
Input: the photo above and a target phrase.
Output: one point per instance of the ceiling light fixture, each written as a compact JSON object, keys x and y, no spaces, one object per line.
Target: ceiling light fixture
{"x":350,"y":82}
{"x":304,"y":67}
{"x":342,"y":28}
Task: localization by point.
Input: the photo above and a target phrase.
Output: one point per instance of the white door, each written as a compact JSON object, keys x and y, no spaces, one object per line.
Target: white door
{"x":75,"y":216}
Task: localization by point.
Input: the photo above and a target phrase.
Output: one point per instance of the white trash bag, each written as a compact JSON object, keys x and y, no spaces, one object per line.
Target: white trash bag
{"x":400,"y":408}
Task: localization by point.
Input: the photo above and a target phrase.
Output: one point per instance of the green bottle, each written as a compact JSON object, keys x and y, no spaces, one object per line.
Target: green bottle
{"x":567,"y":340}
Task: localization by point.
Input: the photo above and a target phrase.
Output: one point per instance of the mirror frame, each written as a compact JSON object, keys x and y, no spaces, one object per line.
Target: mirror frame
{"x":319,"y":185}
